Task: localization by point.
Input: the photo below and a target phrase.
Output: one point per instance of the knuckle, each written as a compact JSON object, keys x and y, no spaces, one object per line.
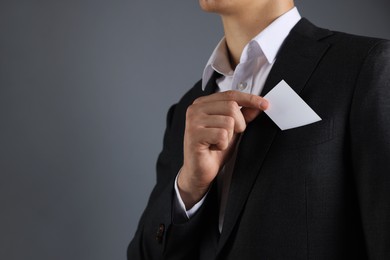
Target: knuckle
{"x":221,"y":135}
{"x":198,"y":100}
{"x":253,"y":99}
{"x":241,"y":128}
{"x":229,"y":122}
{"x":230,"y":95}
{"x":190,"y":111}
{"x":231,"y":106}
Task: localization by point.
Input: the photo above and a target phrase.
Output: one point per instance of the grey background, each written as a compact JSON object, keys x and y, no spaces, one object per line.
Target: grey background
{"x":84,"y":89}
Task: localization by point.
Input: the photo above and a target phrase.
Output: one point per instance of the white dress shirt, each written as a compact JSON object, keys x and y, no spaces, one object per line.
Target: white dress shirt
{"x":249,"y":76}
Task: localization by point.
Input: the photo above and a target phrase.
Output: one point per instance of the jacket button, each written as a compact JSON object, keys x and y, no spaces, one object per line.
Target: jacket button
{"x":160,"y":233}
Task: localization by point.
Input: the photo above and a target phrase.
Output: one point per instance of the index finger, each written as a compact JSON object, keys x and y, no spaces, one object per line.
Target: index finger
{"x":242,"y":99}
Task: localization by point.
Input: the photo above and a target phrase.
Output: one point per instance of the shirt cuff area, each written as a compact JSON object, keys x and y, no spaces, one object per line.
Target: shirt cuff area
{"x":179,"y":207}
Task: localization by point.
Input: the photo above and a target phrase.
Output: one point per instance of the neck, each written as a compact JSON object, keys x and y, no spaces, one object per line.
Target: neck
{"x":240,"y":28}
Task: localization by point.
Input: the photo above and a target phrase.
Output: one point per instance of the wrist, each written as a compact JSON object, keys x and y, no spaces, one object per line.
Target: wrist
{"x":190,"y":192}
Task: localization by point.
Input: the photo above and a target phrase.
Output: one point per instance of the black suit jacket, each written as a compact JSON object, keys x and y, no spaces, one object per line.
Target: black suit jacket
{"x":320,"y":191}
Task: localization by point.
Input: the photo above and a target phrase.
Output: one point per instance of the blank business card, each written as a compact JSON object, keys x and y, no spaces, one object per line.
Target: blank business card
{"x":287,"y":109}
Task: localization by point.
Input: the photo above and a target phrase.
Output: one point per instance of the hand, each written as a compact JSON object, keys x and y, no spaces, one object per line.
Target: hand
{"x":212,"y":126}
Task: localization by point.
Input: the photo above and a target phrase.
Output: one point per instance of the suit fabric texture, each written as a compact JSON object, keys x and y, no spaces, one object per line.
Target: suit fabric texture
{"x":320,"y":191}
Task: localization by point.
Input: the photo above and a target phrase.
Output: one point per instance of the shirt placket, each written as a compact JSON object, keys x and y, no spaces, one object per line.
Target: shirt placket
{"x":243,"y":77}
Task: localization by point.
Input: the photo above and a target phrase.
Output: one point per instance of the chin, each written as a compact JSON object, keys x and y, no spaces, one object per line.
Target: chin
{"x":205,"y":5}
{"x":212,"y":6}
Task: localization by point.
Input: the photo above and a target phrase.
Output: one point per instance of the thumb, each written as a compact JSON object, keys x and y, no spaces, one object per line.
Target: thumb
{"x":251,"y":113}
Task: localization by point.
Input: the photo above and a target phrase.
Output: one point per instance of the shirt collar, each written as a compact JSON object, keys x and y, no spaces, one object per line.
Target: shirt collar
{"x":267,"y":43}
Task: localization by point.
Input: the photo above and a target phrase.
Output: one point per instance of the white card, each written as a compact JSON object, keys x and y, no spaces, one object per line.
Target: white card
{"x":287,"y":109}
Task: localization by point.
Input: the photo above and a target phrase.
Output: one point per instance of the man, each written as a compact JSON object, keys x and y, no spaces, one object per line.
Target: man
{"x":232,"y":185}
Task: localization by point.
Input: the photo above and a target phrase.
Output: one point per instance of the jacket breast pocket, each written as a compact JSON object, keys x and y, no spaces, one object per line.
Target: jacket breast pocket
{"x":312,"y":134}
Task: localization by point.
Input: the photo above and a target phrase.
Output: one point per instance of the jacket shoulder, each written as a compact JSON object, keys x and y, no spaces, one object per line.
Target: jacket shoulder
{"x":351,"y":44}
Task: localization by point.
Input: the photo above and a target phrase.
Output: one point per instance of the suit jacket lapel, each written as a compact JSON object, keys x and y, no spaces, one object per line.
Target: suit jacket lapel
{"x":296,"y":61}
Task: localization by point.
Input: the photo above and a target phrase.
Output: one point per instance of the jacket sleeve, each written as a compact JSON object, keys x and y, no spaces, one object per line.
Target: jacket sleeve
{"x":158,"y":236}
{"x":370,"y":148}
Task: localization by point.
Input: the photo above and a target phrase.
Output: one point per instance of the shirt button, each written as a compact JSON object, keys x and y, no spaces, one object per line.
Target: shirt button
{"x":242,"y":85}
